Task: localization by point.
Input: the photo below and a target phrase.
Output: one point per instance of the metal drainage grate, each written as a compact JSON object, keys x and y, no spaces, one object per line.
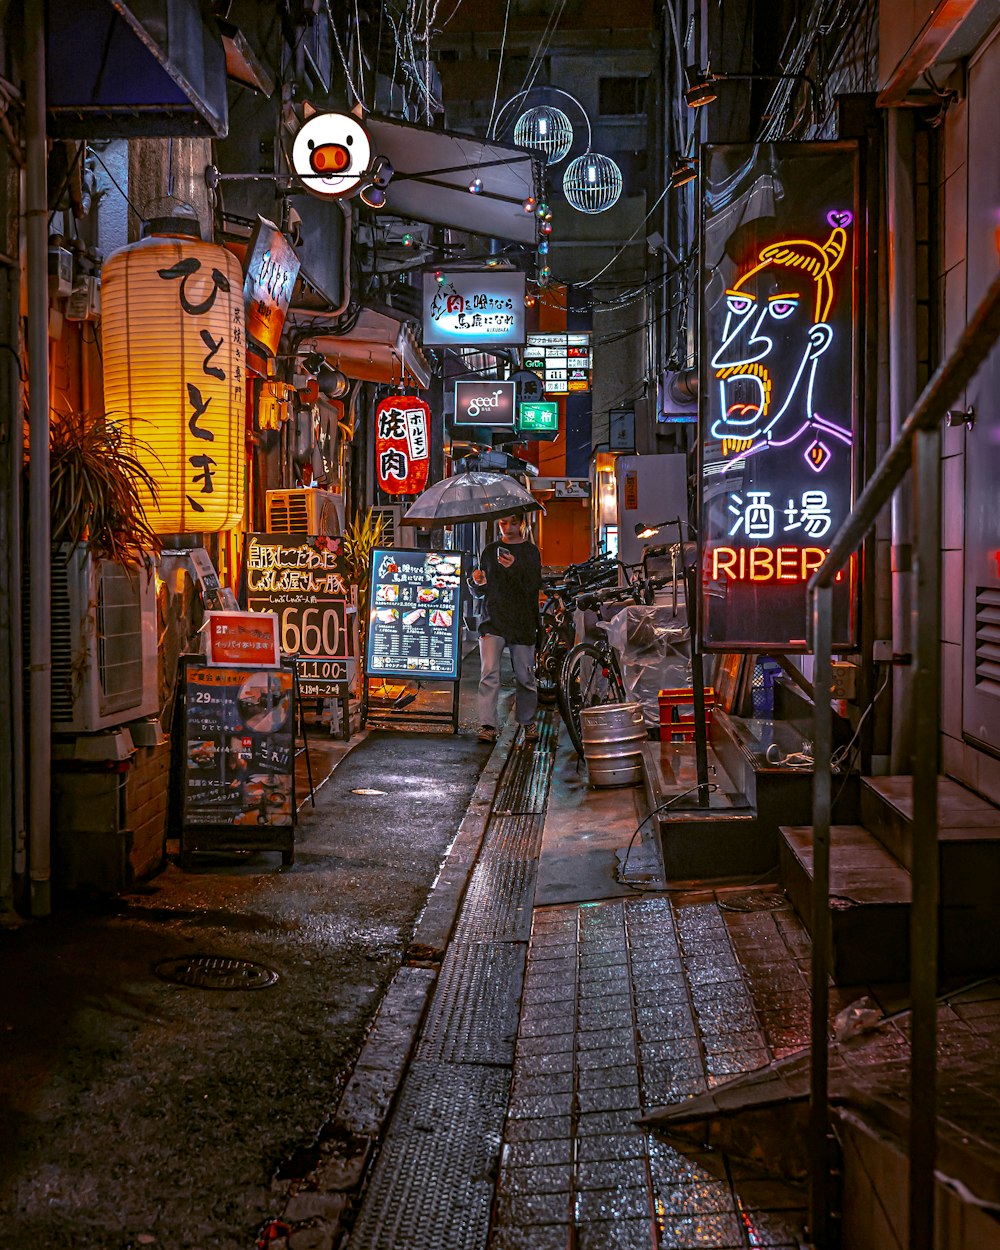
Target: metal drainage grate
{"x":213,"y":972}
{"x":753,"y":900}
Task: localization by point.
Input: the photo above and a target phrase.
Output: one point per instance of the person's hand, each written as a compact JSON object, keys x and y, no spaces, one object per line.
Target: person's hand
{"x":479,"y":577}
{"x":505,"y":557}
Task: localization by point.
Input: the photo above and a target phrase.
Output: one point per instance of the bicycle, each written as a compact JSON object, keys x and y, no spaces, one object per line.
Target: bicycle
{"x":557,"y":631}
{"x":590,"y":675}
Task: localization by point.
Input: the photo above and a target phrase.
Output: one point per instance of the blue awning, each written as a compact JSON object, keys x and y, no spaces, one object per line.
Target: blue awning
{"x":123,"y":68}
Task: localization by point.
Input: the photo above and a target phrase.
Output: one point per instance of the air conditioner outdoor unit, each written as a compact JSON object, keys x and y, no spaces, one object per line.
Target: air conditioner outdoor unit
{"x":104,"y":638}
{"x":304,"y":510}
{"x":394,"y":533}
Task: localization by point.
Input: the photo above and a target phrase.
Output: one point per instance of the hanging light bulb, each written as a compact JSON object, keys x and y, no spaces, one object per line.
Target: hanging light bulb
{"x":476,"y":185}
{"x":439,"y":276}
{"x":407,"y":240}
{"x":530,"y":301}
{"x":542,"y":209}
{"x":543,"y":247}
{"x":529,"y":204}
{"x":546,"y":227}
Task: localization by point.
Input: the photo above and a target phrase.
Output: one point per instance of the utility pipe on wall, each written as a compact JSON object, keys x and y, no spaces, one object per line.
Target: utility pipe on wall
{"x":902,"y":396}
{"x":40,"y":554}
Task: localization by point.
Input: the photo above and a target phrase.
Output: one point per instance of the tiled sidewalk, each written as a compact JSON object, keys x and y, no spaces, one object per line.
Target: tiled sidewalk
{"x":629,"y":1005}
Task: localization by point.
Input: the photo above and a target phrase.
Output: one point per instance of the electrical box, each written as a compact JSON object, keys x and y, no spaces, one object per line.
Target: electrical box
{"x":60,"y":272}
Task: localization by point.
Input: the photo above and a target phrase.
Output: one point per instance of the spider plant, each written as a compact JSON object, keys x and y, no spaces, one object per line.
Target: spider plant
{"x":96,"y":476}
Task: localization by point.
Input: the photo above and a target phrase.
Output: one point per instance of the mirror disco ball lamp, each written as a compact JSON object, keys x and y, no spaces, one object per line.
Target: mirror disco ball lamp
{"x":592,"y":183}
{"x":547,"y":129}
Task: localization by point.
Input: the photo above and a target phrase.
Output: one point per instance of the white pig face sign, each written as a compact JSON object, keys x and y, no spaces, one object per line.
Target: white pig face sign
{"x":331,"y":154}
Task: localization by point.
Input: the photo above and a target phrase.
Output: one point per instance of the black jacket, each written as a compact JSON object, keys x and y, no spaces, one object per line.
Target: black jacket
{"x":511,"y":594}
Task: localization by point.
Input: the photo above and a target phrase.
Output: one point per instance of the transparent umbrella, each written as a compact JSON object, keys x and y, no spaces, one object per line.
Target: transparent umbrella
{"x":476,"y":495}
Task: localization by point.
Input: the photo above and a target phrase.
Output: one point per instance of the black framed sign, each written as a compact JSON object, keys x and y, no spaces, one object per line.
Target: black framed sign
{"x":237,"y":770}
{"x":779,"y":415}
{"x":303,"y":580}
{"x":414,"y":618}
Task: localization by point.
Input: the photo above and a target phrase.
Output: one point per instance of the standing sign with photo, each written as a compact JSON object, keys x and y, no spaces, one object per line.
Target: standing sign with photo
{"x":238,"y":766}
{"x":415,"y":617}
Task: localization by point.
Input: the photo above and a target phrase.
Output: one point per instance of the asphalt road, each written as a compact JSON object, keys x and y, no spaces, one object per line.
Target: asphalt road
{"x":137,"y":1112}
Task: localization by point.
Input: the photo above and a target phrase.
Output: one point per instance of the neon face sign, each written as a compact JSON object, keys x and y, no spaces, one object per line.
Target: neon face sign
{"x":775,"y":331}
{"x":778,"y":411}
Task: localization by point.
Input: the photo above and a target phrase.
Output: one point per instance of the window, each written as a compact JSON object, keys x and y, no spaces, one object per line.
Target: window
{"x":621,"y":97}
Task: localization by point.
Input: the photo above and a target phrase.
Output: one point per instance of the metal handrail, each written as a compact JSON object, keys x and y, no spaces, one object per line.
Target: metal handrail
{"x":917,"y":445}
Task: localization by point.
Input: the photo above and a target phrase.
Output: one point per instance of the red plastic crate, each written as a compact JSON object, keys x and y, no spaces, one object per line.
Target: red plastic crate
{"x":677,"y":713}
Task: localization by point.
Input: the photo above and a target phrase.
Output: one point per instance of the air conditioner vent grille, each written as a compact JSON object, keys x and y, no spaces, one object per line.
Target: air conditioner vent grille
{"x":119,"y":622}
{"x":62,"y":642}
{"x":390,"y":515}
{"x":988,"y":639}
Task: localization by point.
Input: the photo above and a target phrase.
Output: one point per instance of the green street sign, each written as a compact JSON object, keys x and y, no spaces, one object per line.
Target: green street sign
{"x":542,"y":418}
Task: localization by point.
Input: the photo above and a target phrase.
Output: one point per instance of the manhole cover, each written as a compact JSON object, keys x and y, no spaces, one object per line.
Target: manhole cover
{"x":212,"y":972}
{"x":754,"y":900}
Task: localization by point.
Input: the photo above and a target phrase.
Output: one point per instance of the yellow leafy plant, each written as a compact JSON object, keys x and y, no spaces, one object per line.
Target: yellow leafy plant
{"x":361,"y":537}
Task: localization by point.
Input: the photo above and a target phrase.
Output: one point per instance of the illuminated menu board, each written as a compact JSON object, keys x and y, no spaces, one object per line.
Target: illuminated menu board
{"x":778,"y":429}
{"x":414,"y":616}
{"x":563,"y":361}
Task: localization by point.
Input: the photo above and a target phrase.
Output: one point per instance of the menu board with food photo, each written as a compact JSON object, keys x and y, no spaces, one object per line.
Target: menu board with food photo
{"x":413,"y":627}
{"x":239,"y":753}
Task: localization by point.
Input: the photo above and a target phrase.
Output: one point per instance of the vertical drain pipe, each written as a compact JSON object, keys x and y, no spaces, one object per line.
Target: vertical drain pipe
{"x":902,"y":397}
{"x":39,"y":550}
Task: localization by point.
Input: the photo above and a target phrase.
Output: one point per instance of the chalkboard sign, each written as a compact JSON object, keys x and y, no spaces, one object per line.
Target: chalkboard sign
{"x":414,"y":614}
{"x":304,"y":581}
{"x":238,"y":764}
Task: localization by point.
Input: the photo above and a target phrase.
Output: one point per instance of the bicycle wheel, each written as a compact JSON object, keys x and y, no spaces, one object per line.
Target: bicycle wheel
{"x":589,"y":677}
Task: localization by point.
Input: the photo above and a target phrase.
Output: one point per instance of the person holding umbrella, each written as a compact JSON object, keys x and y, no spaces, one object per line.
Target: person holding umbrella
{"x":508,"y":578}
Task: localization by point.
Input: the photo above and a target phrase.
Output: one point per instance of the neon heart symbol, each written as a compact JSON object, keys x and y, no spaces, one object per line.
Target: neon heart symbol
{"x":840,"y":217}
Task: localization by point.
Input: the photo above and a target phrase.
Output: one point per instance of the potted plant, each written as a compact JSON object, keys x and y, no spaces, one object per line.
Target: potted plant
{"x":96,"y":478}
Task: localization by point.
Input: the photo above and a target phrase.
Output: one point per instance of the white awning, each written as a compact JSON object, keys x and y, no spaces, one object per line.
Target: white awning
{"x":433,"y":169}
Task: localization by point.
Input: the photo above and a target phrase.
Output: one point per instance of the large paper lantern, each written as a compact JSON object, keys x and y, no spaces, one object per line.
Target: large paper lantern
{"x":402,"y":445}
{"x":173,"y":343}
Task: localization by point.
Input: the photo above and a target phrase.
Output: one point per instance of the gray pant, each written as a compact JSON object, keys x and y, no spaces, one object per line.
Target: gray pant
{"x":523,"y":659}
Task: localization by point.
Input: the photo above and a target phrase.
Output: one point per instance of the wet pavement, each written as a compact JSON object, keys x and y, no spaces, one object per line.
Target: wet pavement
{"x":138,"y":1112}
{"x":554,"y":1027}
{"x":492,"y":1014}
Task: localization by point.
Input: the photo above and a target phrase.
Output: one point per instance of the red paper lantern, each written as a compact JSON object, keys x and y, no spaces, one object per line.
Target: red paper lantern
{"x":402,"y":444}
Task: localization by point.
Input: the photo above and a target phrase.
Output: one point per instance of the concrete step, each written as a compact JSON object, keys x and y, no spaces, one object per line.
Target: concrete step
{"x":869,"y":901}
{"x":721,"y":842}
{"x":969,"y":842}
{"x":968,"y":832}
{"x":876,"y":1186}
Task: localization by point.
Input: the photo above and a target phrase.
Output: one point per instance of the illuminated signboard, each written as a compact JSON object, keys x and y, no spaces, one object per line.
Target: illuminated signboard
{"x":331,"y":154}
{"x":779,"y":384}
{"x":485,"y":403}
{"x":562,"y":361}
{"x":402,"y":445}
{"x":483,"y":307}
{"x":271,"y":269}
{"x":538,"y":421}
